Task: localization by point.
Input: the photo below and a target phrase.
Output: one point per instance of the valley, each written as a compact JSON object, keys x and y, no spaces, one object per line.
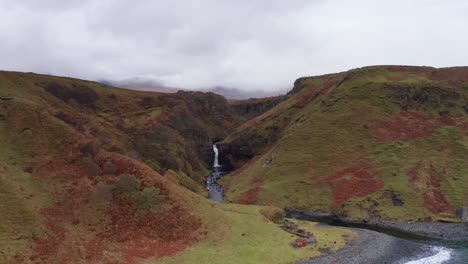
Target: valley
{"x":96,"y":174}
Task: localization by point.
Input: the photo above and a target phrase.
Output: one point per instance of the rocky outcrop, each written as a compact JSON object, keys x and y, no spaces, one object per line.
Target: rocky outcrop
{"x":251,"y":108}
{"x":463,"y":213}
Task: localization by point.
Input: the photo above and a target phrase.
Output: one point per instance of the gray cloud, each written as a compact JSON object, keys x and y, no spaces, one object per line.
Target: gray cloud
{"x":246,"y":44}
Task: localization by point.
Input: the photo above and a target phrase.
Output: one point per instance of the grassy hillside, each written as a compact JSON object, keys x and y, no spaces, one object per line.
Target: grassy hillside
{"x":95,"y":174}
{"x":166,"y":131}
{"x":378,"y":142}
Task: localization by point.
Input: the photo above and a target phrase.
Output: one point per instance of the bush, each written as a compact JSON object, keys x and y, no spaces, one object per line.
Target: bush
{"x":90,"y":166}
{"x":89,"y":149}
{"x":148,"y":198}
{"x":126,"y":184}
{"x":127,"y":189}
{"x":109,"y":168}
{"x":274,"y":214}
{"x":79,"y":93}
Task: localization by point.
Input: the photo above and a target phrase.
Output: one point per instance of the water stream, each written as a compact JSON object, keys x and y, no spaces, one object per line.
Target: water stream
{"x":215,"y":191}
{"x":444,"y":251}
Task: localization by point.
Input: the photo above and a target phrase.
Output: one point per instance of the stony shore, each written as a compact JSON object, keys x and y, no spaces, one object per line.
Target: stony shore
{"x":374,"y":247}
{"x":422,"y":230}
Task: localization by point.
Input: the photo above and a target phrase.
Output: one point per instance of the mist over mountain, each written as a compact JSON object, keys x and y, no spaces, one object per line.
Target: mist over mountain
{"x":144,"y":84}
{"x":140,"y":84}
{"x":239,"y":94}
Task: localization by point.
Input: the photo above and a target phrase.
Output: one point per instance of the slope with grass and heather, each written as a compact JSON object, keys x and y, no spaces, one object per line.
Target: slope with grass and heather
{"x":166,"y":131}
{"x":95,"y":174}
{"x":386,"y":142}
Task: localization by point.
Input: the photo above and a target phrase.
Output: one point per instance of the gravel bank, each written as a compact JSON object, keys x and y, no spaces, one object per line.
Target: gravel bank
{"x":374,"y":247}
{"x":435,"y":230}
{"x":444,"y":231}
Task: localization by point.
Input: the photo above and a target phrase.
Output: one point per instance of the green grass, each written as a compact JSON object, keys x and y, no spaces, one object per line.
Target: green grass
{"x":20,"y":197}
{"x":240,"y":234}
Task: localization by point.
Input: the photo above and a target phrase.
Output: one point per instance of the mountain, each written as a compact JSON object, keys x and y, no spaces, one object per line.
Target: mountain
{"x":96,"y":174}
{"x":143,"y":84}
{"x":239,"y":94}
{"x":382,"y":142}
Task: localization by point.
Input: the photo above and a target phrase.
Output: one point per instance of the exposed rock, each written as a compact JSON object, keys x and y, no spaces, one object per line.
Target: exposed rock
{"x":325,"y":251}
{"x":396,"y":200}
{"x":465,"y":215}
{"x":293,"y":228}
{"x":270,"y":160}
{"x":302,"y":242}
{"x":253,"y":107}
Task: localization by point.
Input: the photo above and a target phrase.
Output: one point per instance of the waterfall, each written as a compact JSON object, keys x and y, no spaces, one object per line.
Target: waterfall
{"x":216,"y":152}
{"x":215,"y":190}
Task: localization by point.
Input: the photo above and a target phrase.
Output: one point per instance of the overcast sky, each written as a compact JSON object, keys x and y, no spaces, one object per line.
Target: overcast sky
{"x":245,"y":44}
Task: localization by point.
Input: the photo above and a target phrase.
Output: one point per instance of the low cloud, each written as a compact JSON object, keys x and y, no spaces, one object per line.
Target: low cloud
{"x":249,"y":45}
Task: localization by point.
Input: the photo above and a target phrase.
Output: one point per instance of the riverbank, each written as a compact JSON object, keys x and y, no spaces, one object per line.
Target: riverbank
{"x":374,"y":247}
{"x":417,"y":230}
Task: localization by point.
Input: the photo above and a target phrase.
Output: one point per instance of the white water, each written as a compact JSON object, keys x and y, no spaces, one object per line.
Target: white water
{"x":216,"y":162}
{"x":442,"y":256}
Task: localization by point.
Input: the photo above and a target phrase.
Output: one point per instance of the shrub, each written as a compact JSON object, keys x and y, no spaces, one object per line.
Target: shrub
{"x":126,"y":184}
{"x":89,"y":149}
{"x":79,"y":93}
{"x":109,"y":168}
{"x":127,"y":190}
{"x":90,"y":166}
{"x":274,"y":214}
{"x":148,"y":198}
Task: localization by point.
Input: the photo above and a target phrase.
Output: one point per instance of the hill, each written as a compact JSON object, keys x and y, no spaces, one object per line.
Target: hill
{"x":95,"y":174}
{"x":384,"y":142}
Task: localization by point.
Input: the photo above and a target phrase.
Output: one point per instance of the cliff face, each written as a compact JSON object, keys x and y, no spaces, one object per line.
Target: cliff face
{"x":383,"y":142}
{"x":254,"y":107}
